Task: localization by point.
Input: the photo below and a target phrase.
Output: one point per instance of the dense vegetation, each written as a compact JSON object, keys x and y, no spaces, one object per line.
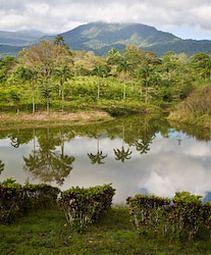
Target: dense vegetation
{"x":195,"y":109}
{"x":50,"y":75}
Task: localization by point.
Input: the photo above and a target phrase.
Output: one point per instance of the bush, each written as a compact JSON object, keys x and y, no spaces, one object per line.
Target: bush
{"x":11,"y":201}
{"x":15,"y":200}
{"x":148,"y":212}
{"x":183,"y":217}
{"x":84,"y":206}
{"x":40,"y":196}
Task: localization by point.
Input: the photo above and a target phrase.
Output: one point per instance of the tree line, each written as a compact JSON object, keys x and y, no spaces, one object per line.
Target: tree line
{"x":51,"y":74}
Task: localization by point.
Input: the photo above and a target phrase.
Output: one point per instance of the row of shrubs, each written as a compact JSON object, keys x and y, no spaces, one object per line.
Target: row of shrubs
{"x":81,"y":206}
{"x":185,"y":216}
{"x":16,"y":200}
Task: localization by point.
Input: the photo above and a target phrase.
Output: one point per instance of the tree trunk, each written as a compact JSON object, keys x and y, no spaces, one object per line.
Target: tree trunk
{"x":62,"y":98}
{"x":48,"y":106}
{"x":33,"y":104}
{"x":33,"y":99}
{"x":98,"y":90}
{"x":124,"y":92}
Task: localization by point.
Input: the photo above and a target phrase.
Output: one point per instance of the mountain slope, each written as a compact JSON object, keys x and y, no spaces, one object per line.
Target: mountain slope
{"x":12,"y":42}
{"x":19,"y":38}
{"x":101,"y":37}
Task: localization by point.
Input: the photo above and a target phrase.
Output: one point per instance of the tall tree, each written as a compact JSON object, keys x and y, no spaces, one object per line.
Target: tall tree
{"x":62,"y":74}
{"x":101,"y":71}
{"x":30,"y":76}
{"x":124,"y":67}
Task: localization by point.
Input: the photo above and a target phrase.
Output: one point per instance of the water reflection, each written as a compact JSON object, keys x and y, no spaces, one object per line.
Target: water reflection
{"x":1,"y":166}
{"x":123,"y":154}
{"x":47,"y":163}
{"x":155,"y":157}
{"x":98,"y":157}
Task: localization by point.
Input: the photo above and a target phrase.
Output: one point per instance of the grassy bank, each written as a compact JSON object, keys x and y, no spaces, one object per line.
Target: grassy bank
{"x":195,"y":110}
{"x":203,"y":121}
{"x":46,"y":232}
{"x":41,"y":119}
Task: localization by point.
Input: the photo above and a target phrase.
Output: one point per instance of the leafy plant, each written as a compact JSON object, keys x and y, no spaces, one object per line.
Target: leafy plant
{"x":84,"y":206}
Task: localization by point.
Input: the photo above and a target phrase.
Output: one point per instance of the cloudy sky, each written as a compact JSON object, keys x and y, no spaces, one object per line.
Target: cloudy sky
{"x":186,"y":18}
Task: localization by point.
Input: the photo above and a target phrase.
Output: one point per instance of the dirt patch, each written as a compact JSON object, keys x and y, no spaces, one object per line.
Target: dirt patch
{"x":54,"y":118}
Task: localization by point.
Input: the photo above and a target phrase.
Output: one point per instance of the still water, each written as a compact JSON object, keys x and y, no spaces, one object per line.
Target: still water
{"x":136,"y":155}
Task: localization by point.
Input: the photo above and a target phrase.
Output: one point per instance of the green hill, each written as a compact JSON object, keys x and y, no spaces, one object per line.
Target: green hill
{"x":101,"y":37}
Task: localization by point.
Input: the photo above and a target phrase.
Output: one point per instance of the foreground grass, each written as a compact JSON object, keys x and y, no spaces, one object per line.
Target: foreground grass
{"x":46,"y":233}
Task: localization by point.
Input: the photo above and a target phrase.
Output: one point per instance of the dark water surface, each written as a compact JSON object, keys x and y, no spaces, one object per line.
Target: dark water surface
{"x":136,"y":155}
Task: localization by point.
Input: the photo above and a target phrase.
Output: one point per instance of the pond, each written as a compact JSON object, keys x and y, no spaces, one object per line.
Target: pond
{"x":135,"y":154}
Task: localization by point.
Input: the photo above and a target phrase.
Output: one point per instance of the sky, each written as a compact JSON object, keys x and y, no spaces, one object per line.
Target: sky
{"x":185,"y":18}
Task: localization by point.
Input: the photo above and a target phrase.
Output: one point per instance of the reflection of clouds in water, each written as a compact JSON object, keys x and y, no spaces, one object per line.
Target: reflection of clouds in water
{"x":167,"y":168}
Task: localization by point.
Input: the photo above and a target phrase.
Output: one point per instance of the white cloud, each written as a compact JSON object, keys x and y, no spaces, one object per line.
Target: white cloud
{"x":185,"y":17}
{"x":57,"y":16}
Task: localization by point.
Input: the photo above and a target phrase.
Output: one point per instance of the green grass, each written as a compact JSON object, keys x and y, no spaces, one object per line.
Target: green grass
{"x":46,"y":233}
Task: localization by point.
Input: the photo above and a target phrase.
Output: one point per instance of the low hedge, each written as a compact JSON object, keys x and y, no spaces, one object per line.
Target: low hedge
{"x":40,"y":196}
{"x":11,"y":201}
{"x":183,"y":217}
{"x":84,"y":206}
{"x":15,"y":200}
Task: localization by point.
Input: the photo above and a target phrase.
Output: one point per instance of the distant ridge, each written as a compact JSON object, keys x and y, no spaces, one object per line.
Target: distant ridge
{"x":100,"y":37}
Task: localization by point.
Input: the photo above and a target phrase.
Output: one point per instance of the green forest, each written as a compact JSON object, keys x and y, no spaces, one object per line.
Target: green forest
{"x":49,"y":76}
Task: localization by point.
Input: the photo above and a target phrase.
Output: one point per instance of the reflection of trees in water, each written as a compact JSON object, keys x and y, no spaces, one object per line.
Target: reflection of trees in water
{"x":122,"y":154}
{"x":137,"y":132}
{"x":98,"y":157}
{"x":1,"y":166}
{"x":143,"y":133}
{"x":19,"y":137}
{"x":46,"y":163}
{"x":143,"y":145}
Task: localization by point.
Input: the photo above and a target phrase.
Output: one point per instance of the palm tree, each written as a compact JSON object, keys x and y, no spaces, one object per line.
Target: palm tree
{"x":46,"y":94}
{"x":98,"y":157}
{"x":124,"y":67}
{"x":1,"y":166}
{"x":101,"y":71}
{"x":62,"y":74}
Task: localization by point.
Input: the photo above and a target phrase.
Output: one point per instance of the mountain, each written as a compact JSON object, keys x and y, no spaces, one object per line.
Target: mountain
{"x":12,"y":42}
{"x":19,"y":38}
{"x":101,"y":37}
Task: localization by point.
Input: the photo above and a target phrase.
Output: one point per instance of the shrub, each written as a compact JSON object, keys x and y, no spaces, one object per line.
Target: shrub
{"x":40,"y":196}
{"x":148,"y":212}
{"x":15,"y":200}
{"x":11,"y":200}
{"x":183,"y":217}
{"x":84,"y":206}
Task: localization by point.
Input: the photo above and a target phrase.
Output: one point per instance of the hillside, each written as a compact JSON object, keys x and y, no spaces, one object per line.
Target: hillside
{"x":100,"y":37}
{"x":12,"y":42}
